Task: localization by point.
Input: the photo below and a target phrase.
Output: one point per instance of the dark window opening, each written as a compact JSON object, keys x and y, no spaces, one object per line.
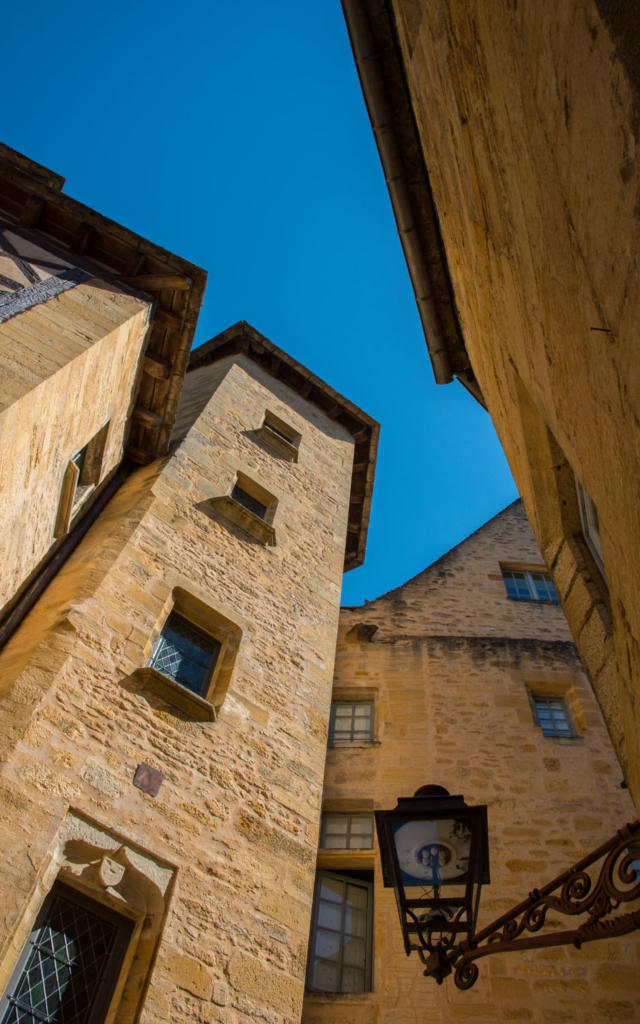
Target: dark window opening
{"x":248,"y":501}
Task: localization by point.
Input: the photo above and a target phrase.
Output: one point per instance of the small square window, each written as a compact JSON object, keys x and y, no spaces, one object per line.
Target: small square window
{"x":279,"y":437}
{"x":351,"y":720}
{"x":340,"y":944}
{"x":248,"y":501}
{"x":346,"y":832}
{"x":186,"y":654}
{"x":529,"y":585}
{"x":553,"y":716}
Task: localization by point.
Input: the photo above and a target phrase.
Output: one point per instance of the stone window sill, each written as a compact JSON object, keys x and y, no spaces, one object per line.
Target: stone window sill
{"x":278,"y":444}
{"x":248,"y":521}
{"x":174,"y":693}
{"x":341,"y":744}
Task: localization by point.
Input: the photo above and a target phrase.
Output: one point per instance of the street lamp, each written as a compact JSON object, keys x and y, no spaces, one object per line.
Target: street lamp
{"x":434,"y":853}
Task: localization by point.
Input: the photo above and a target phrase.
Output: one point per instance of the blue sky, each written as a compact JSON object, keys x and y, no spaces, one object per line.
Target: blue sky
{"x":236,"y":136}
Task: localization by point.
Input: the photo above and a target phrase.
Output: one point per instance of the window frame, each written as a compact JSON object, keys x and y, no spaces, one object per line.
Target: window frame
{"x":528,"y":576}
{"x":81,"y":476}
{"x":352,"y":738}
{"x":116,"y":960}
{"x":346,"y":878}
{"x":590,"y":522}
{"x":214,"y":656}
{"x":348,"y":834}
{"x":537,"y":699}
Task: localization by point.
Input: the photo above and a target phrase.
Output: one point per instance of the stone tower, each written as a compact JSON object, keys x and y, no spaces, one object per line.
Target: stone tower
{"x":166,"y":704}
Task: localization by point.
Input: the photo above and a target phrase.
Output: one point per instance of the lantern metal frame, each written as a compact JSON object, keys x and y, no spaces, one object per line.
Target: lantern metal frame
{"x":434,"y":924}
{"x":441,"y":929}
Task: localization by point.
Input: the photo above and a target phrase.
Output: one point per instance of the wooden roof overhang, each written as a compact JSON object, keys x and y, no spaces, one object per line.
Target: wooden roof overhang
{"x":378,"y":58}
{"x":242,"y":338}
{"x":31,"y":196}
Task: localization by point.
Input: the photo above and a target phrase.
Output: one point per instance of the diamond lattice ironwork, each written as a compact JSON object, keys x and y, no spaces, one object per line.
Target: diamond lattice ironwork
{"x":61,"y":977}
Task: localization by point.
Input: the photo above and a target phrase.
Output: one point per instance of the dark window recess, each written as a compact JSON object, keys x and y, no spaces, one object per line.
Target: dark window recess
{"x":341,"y":934}
{"x":553,"y":717}
{"x":277,"y":432}
{"x":185,"y":653}
{"x":68,"y":969}
{"x":529,"y":586}
{"x":249,"y":502}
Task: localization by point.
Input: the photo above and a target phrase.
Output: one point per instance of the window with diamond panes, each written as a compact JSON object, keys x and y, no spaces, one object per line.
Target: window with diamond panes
{"x":346,"y":832}
{"x":185,"y":653}
{"x":522,"y":585}
{"x":70,"y":964}
{"x":553,"y":716}
{"x":341,"y":934}
{"x":351,"y":720}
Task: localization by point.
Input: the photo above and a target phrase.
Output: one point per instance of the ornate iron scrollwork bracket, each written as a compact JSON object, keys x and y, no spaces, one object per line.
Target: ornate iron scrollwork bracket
{"x":580,"y":891}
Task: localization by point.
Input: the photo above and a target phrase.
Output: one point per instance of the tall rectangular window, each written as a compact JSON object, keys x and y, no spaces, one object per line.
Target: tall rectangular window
{"x":351,"y":720}
{"x":70,"y":964}
{"x":185,"y":653}
{"x":346,"y":832}
{"x":341,"y":934}
{"x":529,"y":585}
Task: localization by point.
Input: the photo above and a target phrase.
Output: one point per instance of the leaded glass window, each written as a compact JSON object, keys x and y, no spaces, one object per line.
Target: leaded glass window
{"x":523,"y":585}
{"x":341,"y":934}
{"x":69,"y":966}
{"x":185,"y":653}
{"x":553,"y":717}
{"x":351,"y":720}
{"x":346,"y":832}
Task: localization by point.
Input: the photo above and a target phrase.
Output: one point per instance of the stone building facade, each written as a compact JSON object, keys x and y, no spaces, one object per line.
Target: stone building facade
{"x":169,"y":616}
{"x":455,"y":681}
{"x":508,"y":135}
{"x":190,"y":811}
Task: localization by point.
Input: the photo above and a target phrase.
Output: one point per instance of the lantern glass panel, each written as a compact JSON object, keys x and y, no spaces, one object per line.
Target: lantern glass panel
{"x":433,"y":852}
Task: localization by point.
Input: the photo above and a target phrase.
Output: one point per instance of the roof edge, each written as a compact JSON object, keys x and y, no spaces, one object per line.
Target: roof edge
{"x":243,"y":338}
{"x":31,"y":197}
{"x":378,"y":58}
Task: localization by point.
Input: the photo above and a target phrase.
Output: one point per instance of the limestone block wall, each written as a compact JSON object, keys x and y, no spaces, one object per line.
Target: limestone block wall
{"x":235,"y":819}
{"x":527,"y":115}
{"x":68,"y":366}
{"x":452,"y":709}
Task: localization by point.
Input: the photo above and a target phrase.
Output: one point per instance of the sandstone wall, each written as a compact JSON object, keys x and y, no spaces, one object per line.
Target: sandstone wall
{"x":528,"y":119}
{"x":67,"y":367}
{"x":451,"y":708}
{"x":229,"y":841}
